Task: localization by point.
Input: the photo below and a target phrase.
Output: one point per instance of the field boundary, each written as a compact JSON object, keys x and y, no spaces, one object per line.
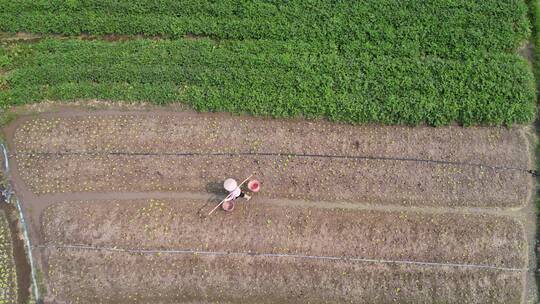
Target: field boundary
{"x":9,"y":271}
{"x":38,"y":203}
{"x":276,"y":255}
{"x":24,"y":227}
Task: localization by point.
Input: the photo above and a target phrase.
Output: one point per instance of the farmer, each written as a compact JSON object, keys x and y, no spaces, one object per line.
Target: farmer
{"x":234,"y":191}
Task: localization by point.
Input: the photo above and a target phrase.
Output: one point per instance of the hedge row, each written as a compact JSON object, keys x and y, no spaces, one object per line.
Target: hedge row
{"x":443,"y":28}
{"x":274,"y":78}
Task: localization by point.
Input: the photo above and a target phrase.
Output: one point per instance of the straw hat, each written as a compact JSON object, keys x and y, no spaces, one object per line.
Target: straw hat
{"x":230,"y":184}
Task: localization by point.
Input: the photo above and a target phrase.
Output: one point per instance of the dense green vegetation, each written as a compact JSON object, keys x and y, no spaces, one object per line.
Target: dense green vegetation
{"x":8,"y":281}
{"x":275,"y":78}
{"x":437,"y":27}
{"x":386,"y":61}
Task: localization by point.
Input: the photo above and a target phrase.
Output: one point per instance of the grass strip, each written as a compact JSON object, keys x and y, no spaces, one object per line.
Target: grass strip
{"x":443,"y":28}
{"x":269,"y":78}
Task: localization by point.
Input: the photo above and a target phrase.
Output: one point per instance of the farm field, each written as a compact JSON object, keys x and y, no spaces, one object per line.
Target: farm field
{"x":467,"y":27}
{"x":267,"y":280}
{"x":136,"y":241}
{"x":393,"y":140}
{"x":295,"y":168}
{"x":274,"y":78}
{"x":8,"y":276}
{"x":456,"y":61}
{"x":177,"y":224}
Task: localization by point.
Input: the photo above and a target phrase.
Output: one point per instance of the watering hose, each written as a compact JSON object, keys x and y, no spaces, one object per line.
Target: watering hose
{"x":278,"y":255}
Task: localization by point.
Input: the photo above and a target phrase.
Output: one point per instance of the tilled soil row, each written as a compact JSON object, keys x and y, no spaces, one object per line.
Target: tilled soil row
{"x":204,"y":133}
{"x":308,"y":178}
{"x":104,"y":277}
{"x":265,"y":228}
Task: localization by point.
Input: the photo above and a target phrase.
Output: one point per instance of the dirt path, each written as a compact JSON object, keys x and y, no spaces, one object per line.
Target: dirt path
{"x":43,"y":178}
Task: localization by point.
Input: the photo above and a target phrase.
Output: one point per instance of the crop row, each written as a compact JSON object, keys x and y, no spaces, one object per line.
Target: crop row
{"x":77,"y":276}
{"x":266,"y":227}
{"x":8,"y":281}
{"x":196,"y":133}
{"x":444,"y":28}
{"x":279,"y":79}
{"x":303,"y":178}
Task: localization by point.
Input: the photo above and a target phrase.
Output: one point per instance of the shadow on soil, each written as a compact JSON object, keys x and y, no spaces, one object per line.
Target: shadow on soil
{"x":216,"y":189}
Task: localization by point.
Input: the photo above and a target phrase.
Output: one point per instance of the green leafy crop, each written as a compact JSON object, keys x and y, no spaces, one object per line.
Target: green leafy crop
{"x":443,"y":28}
{"x":376,"y":61}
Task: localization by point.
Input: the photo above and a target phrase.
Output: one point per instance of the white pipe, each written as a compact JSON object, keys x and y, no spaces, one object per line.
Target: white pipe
{"x":282,"y":255}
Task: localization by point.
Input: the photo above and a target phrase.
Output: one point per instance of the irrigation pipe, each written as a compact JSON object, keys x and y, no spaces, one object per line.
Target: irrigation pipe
{"x":273,"y":154}
{"x":25,"y":230}
{"x":278,"y":255}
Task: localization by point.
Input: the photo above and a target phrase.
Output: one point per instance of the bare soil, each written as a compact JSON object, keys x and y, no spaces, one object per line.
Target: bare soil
{"x":310,"y":178}
{"x":163,"y":132}
{"x":101,"y":277}
{"x":468,"y":213}
{"x":265,"y":228}
{"x":320,"y":179}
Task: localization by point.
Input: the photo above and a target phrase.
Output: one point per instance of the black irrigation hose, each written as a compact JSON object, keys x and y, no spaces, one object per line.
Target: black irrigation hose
{"x":534,"y":173}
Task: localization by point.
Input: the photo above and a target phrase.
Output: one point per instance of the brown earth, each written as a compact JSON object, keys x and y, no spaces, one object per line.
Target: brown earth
{"x":320,"y":179}
{"x":266,"y":228}
{"x":418,"y":209}
{"x":101,"y":277}
{"x":312,"y":178}
{"x":186,"y":132}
